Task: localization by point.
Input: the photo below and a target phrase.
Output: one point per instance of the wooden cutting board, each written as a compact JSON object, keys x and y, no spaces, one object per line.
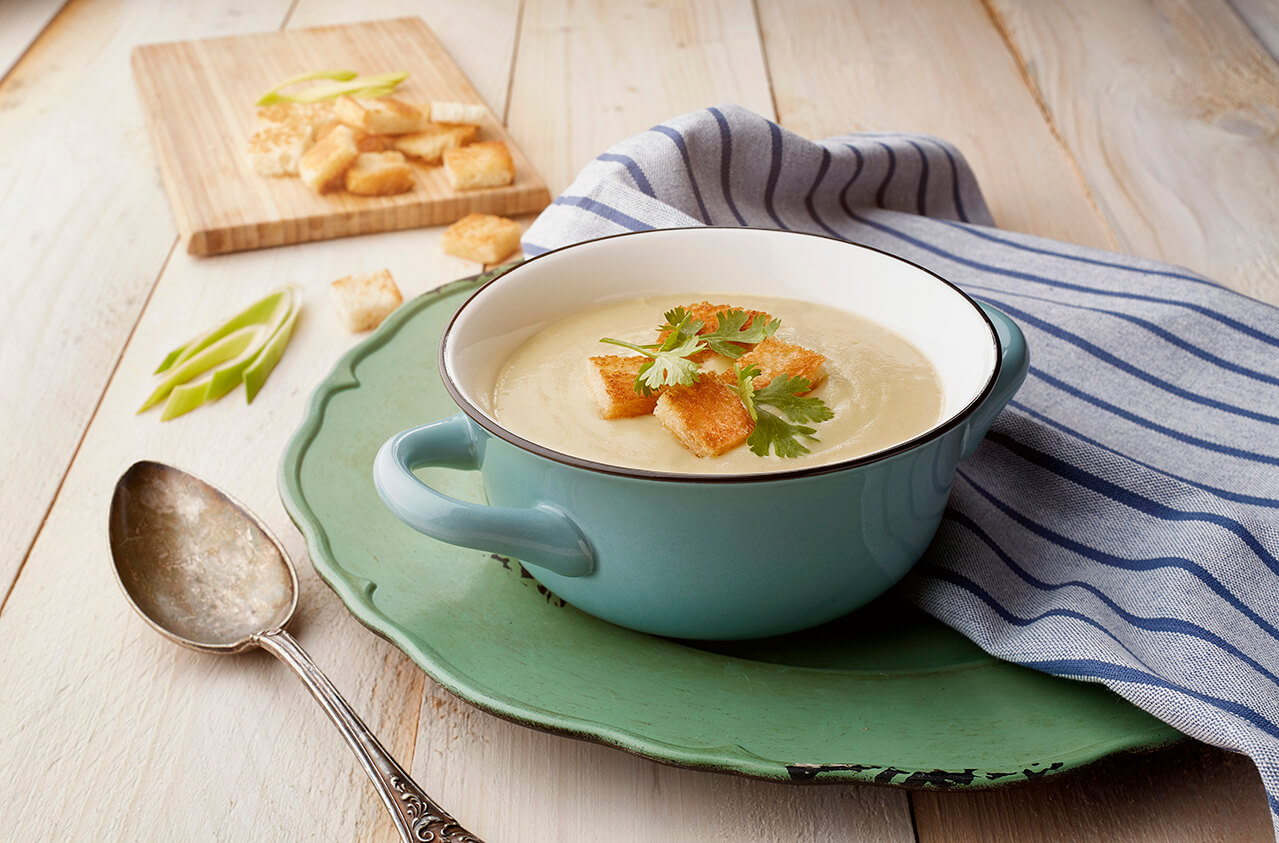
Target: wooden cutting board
{"x":198,"y":99}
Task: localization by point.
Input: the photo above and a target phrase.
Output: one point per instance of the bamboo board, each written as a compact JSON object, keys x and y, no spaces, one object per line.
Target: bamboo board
{"x":198,"y":100}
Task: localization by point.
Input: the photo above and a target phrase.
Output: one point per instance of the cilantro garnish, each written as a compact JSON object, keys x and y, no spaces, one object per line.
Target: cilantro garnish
{"x":771,"y":430}
{"x":669,"y":364}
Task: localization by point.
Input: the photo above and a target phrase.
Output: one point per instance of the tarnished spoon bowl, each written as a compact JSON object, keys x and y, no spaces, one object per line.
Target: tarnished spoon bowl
{"x":206,"y":573}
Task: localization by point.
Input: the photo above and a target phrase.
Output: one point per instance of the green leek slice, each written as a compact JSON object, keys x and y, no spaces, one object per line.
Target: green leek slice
{"x":244,"y":348}
{"x":376,"y":85}
{"x":274,"y":96}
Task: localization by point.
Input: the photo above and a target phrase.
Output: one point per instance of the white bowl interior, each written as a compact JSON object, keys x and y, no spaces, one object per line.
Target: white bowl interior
{"x":932,"y":315}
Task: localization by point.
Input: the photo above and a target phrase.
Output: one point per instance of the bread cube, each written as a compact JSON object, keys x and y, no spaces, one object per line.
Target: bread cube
{"x":481,"y":237}
{"x":776,"y":357}
{"x":322,"y":166}
{"x":612,"y":383}
{"x":363,"y":301}
{"x":479,"y":165}
{"x":319,"y":116}
{"x":379,"y":174}
{"x":708,"y":418}
{"x":277,"y":149}
{"x":385,"y":116}
{"x":429,"y":143}
{"x":458,"y":112}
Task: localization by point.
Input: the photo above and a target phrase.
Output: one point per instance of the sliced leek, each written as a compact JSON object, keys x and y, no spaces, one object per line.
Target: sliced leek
{"x":245,"y":349}
{"x":376,"y":85}
{"x":274,"y":96}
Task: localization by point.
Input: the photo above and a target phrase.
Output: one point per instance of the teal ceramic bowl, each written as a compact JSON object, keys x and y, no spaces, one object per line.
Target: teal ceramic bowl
{"x":737,"y":555}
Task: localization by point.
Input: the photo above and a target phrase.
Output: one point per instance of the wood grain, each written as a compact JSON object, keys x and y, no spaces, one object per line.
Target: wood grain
{"x":1174,"y":794}
{"x":591,"y":74}
{"x":197,"y":96}
{"x":1262,"y":17}
{"x":1171,"y":108}
{"x":933,"y":66}
{"x":84,"y":232}
{"x":20,"y":24}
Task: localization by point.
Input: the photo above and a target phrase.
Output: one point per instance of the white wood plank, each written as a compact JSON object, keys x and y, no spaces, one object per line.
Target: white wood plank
{"x":1262,"y":17}
{"x":934,"y":66}
{"x":1171,"y":108}
{"x":84,"y":230}
{"x":21,"y":21}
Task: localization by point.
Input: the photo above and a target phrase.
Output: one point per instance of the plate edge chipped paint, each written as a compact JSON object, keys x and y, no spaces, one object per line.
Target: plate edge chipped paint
{"x":357,"y":594}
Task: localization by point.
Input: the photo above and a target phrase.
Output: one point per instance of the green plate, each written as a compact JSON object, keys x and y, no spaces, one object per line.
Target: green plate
{"x":884,"y":695}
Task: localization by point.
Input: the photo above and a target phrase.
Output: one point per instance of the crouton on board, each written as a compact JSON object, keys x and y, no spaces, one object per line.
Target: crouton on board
{"x":612,"y":382}
{"x":363,"y":301}
{"x":776,"y":357}
{"x":379,"y":174}
{"x":384,"y":116}
{"x":323,"y":164}
{"x":276,"y":149}
{"x":708,"y":418}
{"x":486,"y":164}
{"x":481,"y":237}
{"x":458,"y":112}
{"x":432,"y":139}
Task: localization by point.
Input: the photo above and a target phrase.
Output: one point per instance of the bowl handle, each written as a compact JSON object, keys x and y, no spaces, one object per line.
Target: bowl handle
{"x":540,"y":535}
{"x":1014,"y":362}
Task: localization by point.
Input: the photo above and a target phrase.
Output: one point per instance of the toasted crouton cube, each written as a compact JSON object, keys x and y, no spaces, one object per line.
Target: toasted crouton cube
{"x":458,"y":112}
{"x":612,"y":382}
{"x":324,"y":163}
{"x":277,"y":149}
{"x":485,"y":164}
{"x":430,"y":142}
{"x":385,"y":116}
{"x":318,"y":115}
{"x":379,"y":174}
{"x":776,"y":357}
{"x":363,"y":301}
{"x":481,"y":237}
{"x":708,"y":417}
{"x":707,"y":313}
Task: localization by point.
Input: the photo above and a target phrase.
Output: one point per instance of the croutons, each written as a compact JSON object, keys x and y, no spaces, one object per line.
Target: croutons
{"x":482,"y":237}
{"x":385,"y":116}
{"x":708,"y":418}
{"x":379,"y":174}
{"x":318,"y":115}
{"x":612,"y":382}
{"x":363,"y":301}
{"x":776,"y":357}
{"x":458,"y":112}
{"x":429,"y":143}
{"x":277,"y":149}
{"x":486,"y":164}
{"x":707,"y":313}
{"x":322,"y":165}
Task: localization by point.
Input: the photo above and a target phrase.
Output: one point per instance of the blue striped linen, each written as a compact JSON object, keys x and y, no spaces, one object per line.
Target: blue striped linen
{"x":1120,"y":524}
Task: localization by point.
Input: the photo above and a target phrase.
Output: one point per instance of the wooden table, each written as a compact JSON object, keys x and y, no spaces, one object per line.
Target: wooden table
{"x":1147,"y":126}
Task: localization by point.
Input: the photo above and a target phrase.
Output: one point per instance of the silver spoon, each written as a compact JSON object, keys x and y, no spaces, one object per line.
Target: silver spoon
{"x":209,"y":575}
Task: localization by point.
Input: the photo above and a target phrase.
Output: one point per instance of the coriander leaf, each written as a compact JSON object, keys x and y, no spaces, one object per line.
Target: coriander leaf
{"x":668,"y":366}
{"x":732,"y":329}
{"x":772,"y":430}
{"x":783,"y":392}
{"x":746,"y":387}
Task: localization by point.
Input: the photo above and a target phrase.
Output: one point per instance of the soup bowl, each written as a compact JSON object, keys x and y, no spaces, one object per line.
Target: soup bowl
{"x":690,"y":555}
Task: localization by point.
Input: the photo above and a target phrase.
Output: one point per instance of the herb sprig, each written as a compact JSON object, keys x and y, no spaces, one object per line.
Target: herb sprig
{"x":785,"y":393}
{"x":669,"y":361}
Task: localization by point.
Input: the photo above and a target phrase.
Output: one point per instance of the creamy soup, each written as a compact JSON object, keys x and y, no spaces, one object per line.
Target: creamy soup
{"x":882,"y":390}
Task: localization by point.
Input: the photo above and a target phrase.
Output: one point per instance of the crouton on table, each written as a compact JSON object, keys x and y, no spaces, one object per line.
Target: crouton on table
{"x":612,"y":382}
{"x":363,"y":301}
{"x":708,"y":417}
{"x":481,"y":237}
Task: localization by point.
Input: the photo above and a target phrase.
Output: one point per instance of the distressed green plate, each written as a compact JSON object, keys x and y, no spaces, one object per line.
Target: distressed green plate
{"x":885,"y":695}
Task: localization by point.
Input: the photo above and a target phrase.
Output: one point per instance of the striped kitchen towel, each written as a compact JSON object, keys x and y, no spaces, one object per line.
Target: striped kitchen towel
{"x":1120,"y":524}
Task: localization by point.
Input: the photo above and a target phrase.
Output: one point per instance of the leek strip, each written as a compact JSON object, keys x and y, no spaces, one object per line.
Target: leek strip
{"x":222,"y":350}
{"x":274,"y":96}
{"x":254,"y":314}
{"x":255,"y":376}
{"x":355,"y":87}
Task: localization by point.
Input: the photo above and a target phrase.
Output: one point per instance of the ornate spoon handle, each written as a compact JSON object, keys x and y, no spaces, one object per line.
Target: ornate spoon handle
{"x":416,"y":815}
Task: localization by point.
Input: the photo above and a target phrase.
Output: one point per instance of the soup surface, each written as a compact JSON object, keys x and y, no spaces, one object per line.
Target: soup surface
{"x":882,"y":390}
